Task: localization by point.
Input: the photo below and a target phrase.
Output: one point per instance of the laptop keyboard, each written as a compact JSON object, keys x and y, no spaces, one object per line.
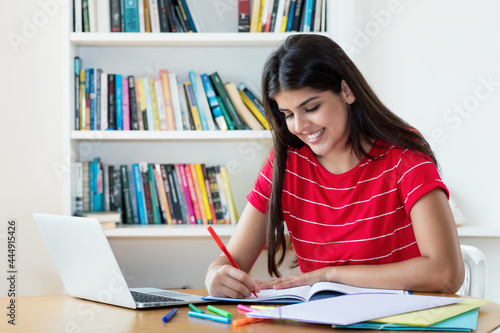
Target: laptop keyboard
{"x":147,"y":298}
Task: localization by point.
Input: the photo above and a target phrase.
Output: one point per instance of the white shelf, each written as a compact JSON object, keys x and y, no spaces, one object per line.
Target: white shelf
{"x":178,"y":39}
{"x":478,"y":231}
{"x":171,"y":135}
{"x":226,"y":230}
{"x":163,"y":230}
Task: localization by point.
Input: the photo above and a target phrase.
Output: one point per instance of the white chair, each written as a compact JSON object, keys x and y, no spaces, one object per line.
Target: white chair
{"x":475,"y":272}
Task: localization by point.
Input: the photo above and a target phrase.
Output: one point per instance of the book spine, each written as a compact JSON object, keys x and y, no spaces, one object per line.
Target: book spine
{"x":214,"y":103}
{"x":141,"y":201}
{"x":171,"y":217}
{"x":111,"y":102}
{"x":160,"y":103}
{"x":149,"y":106}
{"x":214,"y":189}
{"x":119,"y":102}
{"x":190,"y":17}
{"x":92,"y":98}
{"x":154,"y":196}
{"x":289,"y":22}
{"x":241,"y":108}
{"x":175,"y":193}
{"x":182,"y":195}
{"x":126,"y":104}
{"x":187,"y":194}
{"x":115,"y":15}
{"x":206,"y":107}
{"x":297,"y":15}
{"x":162,"y":195}
{"x":170,"y":14}
{"x":104,"y":100}
{"x":167,"y":96}
{"x":141,"y":101}
{"x":153,"y":16}
{"x":133,"y":197}
{"x":126,"y":195}
{"x":86,"y":186}
{"x":134,"y":121}
{"x":187,"y":119}
{"x":77,"y":92}
{"x":77,"y":16}
{"x":154,"y":103}
{"x":162,"y":9}
{"x":176,"y":102}
{"x":117,"y":190}
{"x":203,"y":191}
{"x":211,"y":205}
{"x":177,"y":186}
{"x":229,"y":195}
{"x":308,"y":9}
{"x":222,"y":92}
{"x":192,"y":192}
{"x":97,"y":102}
{"x":140,"y":12}
{"x":79,"y":187}
{"x":286,"y":13}
{"x":147,"y":19}
{"x":243,"y":15}
{"x":106,"y":203}
{"x":131,"y":16}
{"x":87,"y":99}
{"x":199,"y":196}
{"x":197,"y":97}
{"x":85,"y":15}
{"x":255,"y":111}
{"x":82,"y":99}
{"x":192,"y":106}
{"x":147,"y":192}
{"x":222,"y":194}
{"x":183,"y":16}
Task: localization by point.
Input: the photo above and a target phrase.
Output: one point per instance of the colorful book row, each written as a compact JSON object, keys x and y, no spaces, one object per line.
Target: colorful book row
{"x":282,"y":16}
{"x":133,"y":16}
{"x":105,"y":101}
{"x":148,"y":193}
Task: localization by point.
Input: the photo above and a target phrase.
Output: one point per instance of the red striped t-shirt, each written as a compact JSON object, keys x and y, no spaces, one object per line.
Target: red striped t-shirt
{"x":358,"y":217}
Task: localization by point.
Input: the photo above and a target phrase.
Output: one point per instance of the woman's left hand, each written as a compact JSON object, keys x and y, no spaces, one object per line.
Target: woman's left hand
{"x":295,"y":280}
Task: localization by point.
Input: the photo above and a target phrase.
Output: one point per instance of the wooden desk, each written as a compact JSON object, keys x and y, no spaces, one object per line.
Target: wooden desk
{"x":63,"y":313}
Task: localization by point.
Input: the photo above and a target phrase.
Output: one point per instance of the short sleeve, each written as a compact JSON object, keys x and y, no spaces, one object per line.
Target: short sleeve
{"x":261,"y":191}
{"x":418,"y":175}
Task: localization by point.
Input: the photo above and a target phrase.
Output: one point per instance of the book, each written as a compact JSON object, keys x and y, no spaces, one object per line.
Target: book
{"x":167,"y":99}
{"x":183,"y":16}
{"x":79,"y":187}
{"x":191,"y":19}
{"x":171,"y":217}
{"x":177,"y":108}
{"x":245,"y":114}
{"x":162,"y":9}
{"x":141,"y":105}
{"x":111,"y":102}
{"x":197,"y":190}
{"x":127,"y":202}
{"x":214,"y":103}
{"x":220,"y":89}
{"x":204,"y":194}
{"x":199,"y":102}
{"x":195,"y":115}
{"x":192,"y":193}
{"x":233,"y":213}
{"x":115,"y":15}
{"x":77,"y":92}
{"x":134,"y":119}
{"x":108,"y":219}
{"x":119,"y":101}
{"x":104,"y":100}
{"x":154,"y":194}
{"x":77,"y":16}
{"x":182,"y":196}
{"x":243,"y":15}
{"x":187,"y":194}
{"x":149,"y":106}
{"x":319,"y":290}
{"x":82,"y":100}
{"x":206,"y":106}
{"x":354,"y":308}
{"x":154,"y":18}
{"x":131,"y":12}
{"x":133,"y":196}
{"x":160,"y":104}
{"x":125,"y":103}
{"x":254,"y":108}
{"x":254,"y":15}
{"x":141,"y":200}
{"x":151,"y":98}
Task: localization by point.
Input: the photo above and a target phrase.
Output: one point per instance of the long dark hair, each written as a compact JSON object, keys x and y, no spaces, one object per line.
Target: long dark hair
{"x":317,"y":62}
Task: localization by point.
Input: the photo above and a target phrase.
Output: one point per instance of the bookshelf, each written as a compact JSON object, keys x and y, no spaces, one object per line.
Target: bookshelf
{"x":237,"y":57}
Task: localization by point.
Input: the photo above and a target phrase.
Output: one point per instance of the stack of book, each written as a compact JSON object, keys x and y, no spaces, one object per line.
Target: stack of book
{"x":148,"y":193}
{"x":133,"y":16}
{"x":107,"y":219}
{"x":105,"y":101}
{"x":282,"y":15}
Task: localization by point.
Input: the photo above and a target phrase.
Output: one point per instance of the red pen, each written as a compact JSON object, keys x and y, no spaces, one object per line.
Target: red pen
{"x":226,"y":252}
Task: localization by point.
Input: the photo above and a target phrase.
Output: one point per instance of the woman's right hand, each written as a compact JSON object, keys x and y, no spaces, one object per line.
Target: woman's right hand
{"x":224,"y":280}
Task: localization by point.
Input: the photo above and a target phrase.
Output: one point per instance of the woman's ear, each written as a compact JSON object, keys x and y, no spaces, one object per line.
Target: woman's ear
{"x":347,"y":94}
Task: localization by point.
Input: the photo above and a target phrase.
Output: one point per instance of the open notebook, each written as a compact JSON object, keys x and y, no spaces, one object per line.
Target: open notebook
{"x":317,"y":291}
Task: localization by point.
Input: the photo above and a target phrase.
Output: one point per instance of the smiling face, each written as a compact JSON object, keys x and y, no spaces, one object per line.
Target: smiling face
{"x":319,"y":119}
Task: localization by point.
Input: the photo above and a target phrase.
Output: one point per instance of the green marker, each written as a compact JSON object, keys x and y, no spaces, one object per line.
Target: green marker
{"x":195,"y":309}
{"x":219,"y":311}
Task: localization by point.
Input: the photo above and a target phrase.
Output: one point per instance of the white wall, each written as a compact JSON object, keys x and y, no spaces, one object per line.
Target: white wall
{"x":30,"y":136}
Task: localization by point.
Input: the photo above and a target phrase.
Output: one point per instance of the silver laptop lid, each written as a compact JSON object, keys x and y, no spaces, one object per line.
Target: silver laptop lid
{"x":84,"y":259}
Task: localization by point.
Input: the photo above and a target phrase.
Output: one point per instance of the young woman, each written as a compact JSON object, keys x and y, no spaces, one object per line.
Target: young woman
{"x":356,"y":188}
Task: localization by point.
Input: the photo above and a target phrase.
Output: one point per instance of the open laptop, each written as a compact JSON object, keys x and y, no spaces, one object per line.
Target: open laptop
{"x":88,"y":267}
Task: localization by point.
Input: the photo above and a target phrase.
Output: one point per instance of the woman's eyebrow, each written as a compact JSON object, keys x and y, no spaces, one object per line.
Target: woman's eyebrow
{"x":301,"y":104}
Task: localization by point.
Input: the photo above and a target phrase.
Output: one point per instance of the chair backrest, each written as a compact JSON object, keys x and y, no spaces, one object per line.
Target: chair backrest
{"x":475,"y":272}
